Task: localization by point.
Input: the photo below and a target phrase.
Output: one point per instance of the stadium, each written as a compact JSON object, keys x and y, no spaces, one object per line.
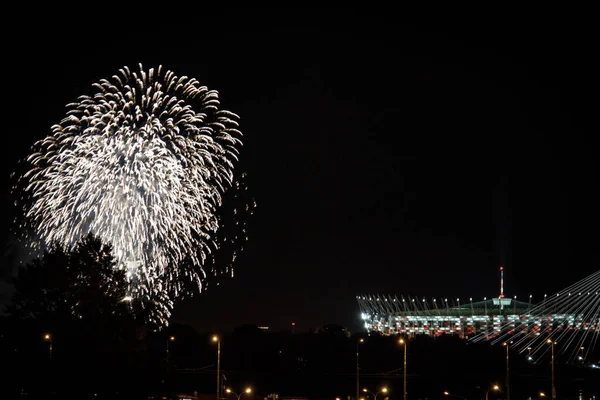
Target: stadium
{"x":391,"y":315}
{"x":572,"y":314}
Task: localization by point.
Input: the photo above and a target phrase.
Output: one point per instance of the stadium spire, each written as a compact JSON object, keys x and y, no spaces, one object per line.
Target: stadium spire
{"x":501,"y":282}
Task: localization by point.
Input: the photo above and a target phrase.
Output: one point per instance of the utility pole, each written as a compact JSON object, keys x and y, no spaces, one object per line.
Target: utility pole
{"x":358,"y":341}
{"x":507,"y":372}
{"x":218,"y":340}
{"x":404,"y":342}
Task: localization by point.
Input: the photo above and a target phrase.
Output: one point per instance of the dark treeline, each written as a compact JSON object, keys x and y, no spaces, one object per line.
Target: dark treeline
{"x":70,"y":333}
{"x":136,"y":363}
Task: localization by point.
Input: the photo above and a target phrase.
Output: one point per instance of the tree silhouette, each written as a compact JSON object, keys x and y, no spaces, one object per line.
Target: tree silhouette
{"x":62,"y":284}
{"x":79,"y":298}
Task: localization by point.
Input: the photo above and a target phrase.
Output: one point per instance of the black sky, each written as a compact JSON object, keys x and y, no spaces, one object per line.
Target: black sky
{"x":386,"y":154}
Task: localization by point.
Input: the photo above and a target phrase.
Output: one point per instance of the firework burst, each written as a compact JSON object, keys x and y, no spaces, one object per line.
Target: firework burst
{"x":143,"y":163}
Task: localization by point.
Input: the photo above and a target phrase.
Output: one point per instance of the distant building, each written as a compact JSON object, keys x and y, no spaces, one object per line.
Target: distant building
{"x":334,"y":330}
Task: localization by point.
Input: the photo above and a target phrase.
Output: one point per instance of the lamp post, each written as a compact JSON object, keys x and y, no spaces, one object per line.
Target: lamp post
{"x":495,"y":387}
{"x":446,"y":393}
{"x":552,"y":343}
{"x":403,"y":342}
{"x":506,"y":344}
{"x":383,"y":390}
{"x":170,"y":339}
{"x":215,"y":338}
{"x":48,"y":339}
{"x":359,"y":341}
{"x":168,"y":359}
{"x":247,"y":391}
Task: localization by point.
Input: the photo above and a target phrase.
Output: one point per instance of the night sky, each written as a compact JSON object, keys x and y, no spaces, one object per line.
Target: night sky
{"x":386,"y":154}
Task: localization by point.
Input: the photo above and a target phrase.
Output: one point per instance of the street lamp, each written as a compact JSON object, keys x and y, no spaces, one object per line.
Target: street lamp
{"x":495,"y":387}
{"x":506,"y":344}
{"x":215,"y":338}
{"x":359,"y":341}
{"x":446,"y":393}
{"x":170,"y":339}
{"x":383,"y":390}
{"x":48,"y":339}
{"x":582,"y":356}
{"x":542,"y":394}
{"x":403,"y":342}
{"x":247,"y":391}
{"x":552,"y":343}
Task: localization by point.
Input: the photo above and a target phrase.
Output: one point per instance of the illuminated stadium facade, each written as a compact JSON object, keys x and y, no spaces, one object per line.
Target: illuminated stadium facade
{"x":390,"y":315}
{"x":571,"y":317}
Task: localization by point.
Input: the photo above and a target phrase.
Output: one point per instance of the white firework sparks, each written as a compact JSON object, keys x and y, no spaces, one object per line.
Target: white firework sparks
{"x":143,"y":164}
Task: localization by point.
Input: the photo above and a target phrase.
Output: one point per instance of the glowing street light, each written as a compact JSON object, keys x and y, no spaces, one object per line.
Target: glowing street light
{"x":247,"y":391}
{"x":446,"y":393}
{"x":48,"y":339}
{"x":170,"y":339}
{"x":383,"y":390}
{"x":215,"y":338}
{"x":495,"y":387}
{"x":402,"y":341}
{"x":581,"y":357}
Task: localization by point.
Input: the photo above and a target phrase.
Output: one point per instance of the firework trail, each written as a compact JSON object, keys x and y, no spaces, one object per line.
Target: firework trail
{"x":143,"y":163}
{"x":235,"y":213}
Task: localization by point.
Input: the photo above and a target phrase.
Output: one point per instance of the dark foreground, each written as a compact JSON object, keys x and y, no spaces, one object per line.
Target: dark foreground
{"x":309,"y":365}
